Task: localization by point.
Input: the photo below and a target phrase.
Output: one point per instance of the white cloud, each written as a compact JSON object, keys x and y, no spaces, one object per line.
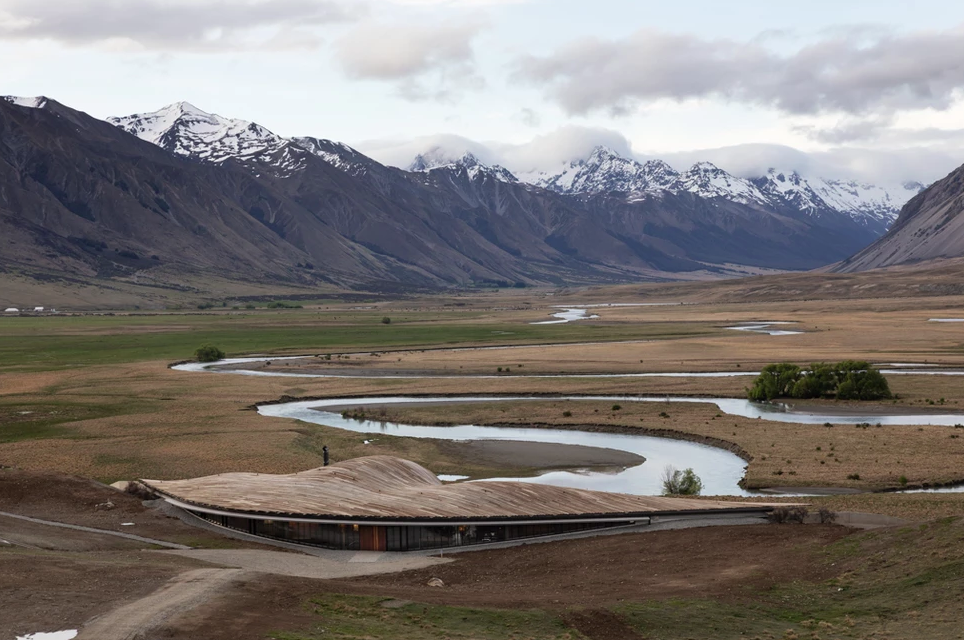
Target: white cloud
{"x":421,"y":60}
{"x":855,"y":72}
{"x":195,"y":25}
{"x":565,"y":144}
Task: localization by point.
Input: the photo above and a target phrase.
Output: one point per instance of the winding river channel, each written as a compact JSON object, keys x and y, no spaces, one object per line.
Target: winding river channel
{"x":720,"y":470}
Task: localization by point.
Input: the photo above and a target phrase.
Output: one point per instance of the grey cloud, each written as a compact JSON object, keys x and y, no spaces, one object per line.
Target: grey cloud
{"x":170,"y":24}
{"x":423,"y":60}
{"x":856,"y":73}
{"x":551,"y":150}
{"x":848,"y":130}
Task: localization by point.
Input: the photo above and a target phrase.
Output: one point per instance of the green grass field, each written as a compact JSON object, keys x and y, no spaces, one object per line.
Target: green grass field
{"x":48,"y":343}
{"x":361,"y":618}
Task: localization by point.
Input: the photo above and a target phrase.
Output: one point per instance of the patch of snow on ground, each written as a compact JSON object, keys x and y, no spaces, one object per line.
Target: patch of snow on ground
{"x":50,"y":635}
{"x":447,"y":477}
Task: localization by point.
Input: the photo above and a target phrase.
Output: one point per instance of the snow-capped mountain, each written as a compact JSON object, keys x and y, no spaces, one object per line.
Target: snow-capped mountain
{"x":707,"y":180}
{"x":436,"y":158}
{"x":882,"y":202}
{"x":868,"y":204}
{"x":188,"y":131}
{"x":184,"y":129}
{"x":605,"y":171}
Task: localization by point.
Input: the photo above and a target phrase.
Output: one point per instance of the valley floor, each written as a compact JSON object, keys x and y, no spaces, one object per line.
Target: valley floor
{"x":93,"y":396}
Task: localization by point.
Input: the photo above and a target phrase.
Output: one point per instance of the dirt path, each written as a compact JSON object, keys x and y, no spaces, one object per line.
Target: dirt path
{"x":63,"y":525}
{"x":338,"y":565}
{"x":180,"y":594}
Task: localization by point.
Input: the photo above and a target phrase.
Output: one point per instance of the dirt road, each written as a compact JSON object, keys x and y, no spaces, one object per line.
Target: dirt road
{"x":339,"y":565}
{"x":182,"y":593}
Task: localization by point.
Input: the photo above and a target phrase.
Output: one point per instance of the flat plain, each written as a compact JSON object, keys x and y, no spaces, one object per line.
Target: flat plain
{"x":92,"y":395}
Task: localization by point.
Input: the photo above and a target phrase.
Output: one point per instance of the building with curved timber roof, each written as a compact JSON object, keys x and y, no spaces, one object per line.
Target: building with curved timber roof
{"x":382,"y":503}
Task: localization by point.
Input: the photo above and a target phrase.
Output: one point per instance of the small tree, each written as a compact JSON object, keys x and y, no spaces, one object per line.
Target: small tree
{"x":208,"y":353}
{"x":681,"y":483}
{"x":386,"y":320}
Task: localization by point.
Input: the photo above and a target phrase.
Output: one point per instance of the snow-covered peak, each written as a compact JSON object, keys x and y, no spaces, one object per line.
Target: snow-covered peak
{"x":882,"y":202}
{"x":707,"y":180}
{"x":186,"y":130}
{"x":437,"y":158}
{"x":866,"y":203}
{"x":605,"y":171}
{"x":33,"y":103}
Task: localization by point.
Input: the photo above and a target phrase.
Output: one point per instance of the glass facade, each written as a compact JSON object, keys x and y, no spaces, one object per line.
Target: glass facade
{"x":360,"y":537}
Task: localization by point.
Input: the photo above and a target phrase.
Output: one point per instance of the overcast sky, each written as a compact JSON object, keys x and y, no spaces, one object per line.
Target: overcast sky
{"x":870,"y":89}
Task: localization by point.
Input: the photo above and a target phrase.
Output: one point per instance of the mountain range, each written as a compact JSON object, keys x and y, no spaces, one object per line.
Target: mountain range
{"x":606,"y":172}
{"x":181,"y":191}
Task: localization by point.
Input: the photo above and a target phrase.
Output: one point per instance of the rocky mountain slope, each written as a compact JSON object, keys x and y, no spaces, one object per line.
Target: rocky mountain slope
{"x":931,"y":226}
{"x":149,"y":196}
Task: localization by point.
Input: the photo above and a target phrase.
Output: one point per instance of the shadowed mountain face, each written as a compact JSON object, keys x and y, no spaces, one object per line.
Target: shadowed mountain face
{"x":931,"y":226}
{"x":168,"y":194}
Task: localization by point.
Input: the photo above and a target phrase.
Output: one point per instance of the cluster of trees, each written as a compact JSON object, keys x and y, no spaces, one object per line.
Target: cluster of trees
{"x":847,"y":380}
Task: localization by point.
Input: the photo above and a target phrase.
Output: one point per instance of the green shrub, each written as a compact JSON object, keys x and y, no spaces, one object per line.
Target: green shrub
{"x":386,"y":320}
{"x":208,"y":353}
{"x":681,"y":483}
